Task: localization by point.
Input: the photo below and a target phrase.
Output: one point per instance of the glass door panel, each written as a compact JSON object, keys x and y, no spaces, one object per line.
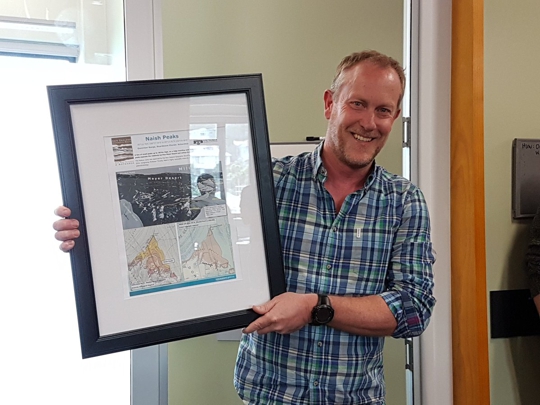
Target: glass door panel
{"x":44,"y":43}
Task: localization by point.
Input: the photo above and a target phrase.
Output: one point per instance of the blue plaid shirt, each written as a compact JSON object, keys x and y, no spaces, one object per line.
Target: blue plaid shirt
{"x":379,"y":243}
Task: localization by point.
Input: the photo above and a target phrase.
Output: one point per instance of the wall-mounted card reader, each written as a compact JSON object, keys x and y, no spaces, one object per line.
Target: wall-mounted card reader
{"x":525,"y":177}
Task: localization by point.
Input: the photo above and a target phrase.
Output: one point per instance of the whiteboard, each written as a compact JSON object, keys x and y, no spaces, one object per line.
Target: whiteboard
{"x":278,"y":150}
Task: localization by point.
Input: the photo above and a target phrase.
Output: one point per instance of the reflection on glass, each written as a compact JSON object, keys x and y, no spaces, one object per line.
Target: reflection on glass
{"x":220,"y":136}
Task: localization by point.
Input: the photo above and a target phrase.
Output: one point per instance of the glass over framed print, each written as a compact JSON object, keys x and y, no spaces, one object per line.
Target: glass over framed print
{"x":171,"y":181}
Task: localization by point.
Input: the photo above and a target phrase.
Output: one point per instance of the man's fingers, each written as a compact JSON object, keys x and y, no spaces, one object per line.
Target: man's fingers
{"x":266,"y":323}
{"x":66,"y":229}
{"x":68,"y":235}
{"x":65,"y":224}
{"x":260,"y":309}
{"x":67,"y":245}
{"x":252,"y":327}
{"x":257,"y":325}
{"x":62,"y":212}
{"x":264,"y":331}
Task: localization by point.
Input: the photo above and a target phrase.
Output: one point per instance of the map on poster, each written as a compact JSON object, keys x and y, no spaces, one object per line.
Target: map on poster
{"x":172,"y":256}
{"x":173,"y":219}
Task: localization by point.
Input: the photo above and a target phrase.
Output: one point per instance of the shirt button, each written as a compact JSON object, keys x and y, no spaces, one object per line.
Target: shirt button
{"x":328,"y":266}
{"x":315,"y":383}
{"x":334,"y":228}
{"x":319,"y":344}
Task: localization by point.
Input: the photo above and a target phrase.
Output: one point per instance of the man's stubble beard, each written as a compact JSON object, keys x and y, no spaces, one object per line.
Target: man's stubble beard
{"x":340,"y":150}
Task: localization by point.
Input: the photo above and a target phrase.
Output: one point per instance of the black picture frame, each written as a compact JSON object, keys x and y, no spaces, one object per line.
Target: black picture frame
{"x":121,"y":303}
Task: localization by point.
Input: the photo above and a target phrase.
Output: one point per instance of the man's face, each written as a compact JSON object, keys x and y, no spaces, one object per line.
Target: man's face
{"x":361,"y":113}
{"x":206,"y":186}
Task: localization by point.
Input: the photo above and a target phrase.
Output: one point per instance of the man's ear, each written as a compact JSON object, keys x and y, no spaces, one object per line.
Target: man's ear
{"x":328,"y":103}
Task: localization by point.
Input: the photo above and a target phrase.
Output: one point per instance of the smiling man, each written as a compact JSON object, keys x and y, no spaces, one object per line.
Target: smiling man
{"x":357,"y":255}
{"x":361,"y":107}
{"x":356,"y":249}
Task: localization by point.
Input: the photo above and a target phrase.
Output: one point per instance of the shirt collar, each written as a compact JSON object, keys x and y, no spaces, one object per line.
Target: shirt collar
{"x":317,"y":163}
{"x":319,"y":172}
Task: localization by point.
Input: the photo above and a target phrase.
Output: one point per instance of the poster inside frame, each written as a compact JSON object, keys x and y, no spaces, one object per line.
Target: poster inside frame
{"x":171,"y":181}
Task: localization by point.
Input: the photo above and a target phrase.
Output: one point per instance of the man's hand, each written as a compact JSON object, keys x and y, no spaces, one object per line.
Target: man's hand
{"x":284,"y":314}
{"x":66,"y":229}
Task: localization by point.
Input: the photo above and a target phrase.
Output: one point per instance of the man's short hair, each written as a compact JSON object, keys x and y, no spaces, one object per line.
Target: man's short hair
{"x":205,"y":176}
{"x":377,"y":58}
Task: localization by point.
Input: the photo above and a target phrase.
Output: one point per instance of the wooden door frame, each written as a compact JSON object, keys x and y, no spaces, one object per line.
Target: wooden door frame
{"x":470,"y":352}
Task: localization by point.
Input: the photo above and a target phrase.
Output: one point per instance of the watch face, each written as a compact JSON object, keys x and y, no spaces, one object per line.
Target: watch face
{"x":324,"y":314}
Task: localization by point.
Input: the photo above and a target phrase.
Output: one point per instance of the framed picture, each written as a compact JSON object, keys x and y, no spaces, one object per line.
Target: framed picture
{"x":171,"y":181}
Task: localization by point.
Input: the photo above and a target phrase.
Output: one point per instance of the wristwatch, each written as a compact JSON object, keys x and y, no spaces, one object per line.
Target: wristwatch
{"x":323,"y":312}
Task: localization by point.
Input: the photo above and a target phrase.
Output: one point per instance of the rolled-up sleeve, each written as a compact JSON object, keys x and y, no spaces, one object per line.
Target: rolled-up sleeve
{"x":409,"y":293}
